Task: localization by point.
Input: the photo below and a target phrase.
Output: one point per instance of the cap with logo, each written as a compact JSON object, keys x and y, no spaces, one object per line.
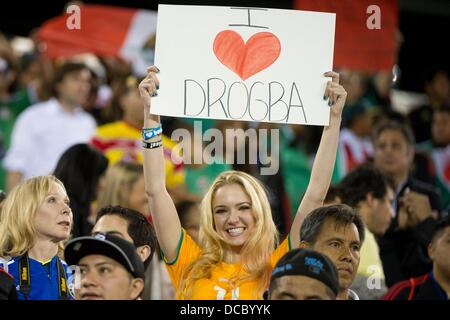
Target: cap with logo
{"x":118,"y":249}
{"x":309,"y":263}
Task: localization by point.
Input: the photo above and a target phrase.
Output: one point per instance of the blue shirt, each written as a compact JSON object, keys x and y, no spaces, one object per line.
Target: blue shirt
{"x":43,"y":278}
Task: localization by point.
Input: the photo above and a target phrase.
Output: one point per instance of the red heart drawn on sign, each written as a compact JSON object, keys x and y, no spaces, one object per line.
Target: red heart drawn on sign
{"x":246,"y":59}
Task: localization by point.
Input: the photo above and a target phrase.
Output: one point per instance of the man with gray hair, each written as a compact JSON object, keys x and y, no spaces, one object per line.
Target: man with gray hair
{"x":336,"y":231}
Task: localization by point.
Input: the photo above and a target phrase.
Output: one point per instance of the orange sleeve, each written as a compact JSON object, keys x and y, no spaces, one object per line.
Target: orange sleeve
{"x":283,"y":248}
{"x":188,"y":251}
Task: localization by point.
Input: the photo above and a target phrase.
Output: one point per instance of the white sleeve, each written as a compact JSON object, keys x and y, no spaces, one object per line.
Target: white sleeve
{"x":22,"y":145}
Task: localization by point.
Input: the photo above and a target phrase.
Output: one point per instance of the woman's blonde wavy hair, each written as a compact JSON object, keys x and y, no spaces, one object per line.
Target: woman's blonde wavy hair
{"x":17,"y":215}
{"x":256,"y":251}
{"x":119,"y":180}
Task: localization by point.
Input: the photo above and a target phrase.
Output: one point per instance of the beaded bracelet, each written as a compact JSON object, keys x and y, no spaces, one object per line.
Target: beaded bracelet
{"x":151,"y":145}
{"x":148,"y":133}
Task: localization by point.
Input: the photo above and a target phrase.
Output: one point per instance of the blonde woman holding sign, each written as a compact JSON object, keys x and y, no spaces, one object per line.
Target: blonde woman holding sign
{"x":238,"y":241}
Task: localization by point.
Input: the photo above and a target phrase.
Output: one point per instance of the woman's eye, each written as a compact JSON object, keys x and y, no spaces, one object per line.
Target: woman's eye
{"x":51,"y":199}
{"x":244,"y":208}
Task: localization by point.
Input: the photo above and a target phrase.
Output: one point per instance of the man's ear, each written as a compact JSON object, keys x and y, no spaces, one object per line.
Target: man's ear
{"x":431,"y":251}
{"x":370,"y":200}
{"x":304,"y":244}
{"x":137,"y":285}
{"x":144,"y":252}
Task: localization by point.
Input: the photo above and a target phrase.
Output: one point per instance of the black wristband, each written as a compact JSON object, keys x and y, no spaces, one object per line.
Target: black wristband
{"x":151,"y":145}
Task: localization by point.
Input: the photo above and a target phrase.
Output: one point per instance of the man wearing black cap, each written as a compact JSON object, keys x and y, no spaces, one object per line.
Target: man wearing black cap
{"x":109,"y":266}
{"x":132,"y":226}
{"x":303,"y":274}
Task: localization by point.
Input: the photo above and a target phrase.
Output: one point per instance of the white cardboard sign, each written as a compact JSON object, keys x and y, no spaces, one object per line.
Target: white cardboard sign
{"x":250,"y":64}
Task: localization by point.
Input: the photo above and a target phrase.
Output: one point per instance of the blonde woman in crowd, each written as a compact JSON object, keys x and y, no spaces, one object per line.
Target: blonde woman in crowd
{"x":238,"y":241}
{"x":35,"y":219}
{"x":123,"y":185}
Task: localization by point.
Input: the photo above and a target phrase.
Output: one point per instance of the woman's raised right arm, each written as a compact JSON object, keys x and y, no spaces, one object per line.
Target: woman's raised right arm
{"x":164,"y":214}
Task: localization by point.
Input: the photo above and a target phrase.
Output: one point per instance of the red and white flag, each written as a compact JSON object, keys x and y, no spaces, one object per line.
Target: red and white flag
{"x":357,"y":45}
{"x":352,"y":152}
{"x":104,"y":31}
